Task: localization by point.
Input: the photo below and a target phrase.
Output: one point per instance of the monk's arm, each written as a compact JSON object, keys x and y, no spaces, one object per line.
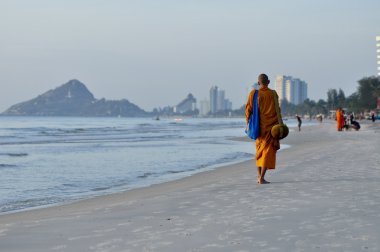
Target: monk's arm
{"x":278,"y":101}
{"x":248,"y":107}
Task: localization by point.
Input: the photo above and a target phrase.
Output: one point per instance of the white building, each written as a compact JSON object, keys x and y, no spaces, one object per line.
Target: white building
{"x":292,"y":89}
{"x":378,"y":54}
{"x":280,"y":86}
{"x":204,"y":107}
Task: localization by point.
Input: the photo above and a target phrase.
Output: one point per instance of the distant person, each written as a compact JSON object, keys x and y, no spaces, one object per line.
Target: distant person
{"x":266,"y":145}
{"x":320,"y":118}
{"x":361,"y":116}
{"x":352,"y":117}
{"x":373,"y":116}
{"x":355,"y":125}
{"x":345,"y":118}
{"x":339,"y":119}
{"x":299,"y":122}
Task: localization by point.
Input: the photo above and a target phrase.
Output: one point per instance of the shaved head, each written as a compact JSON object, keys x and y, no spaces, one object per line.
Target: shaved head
{"x":263,"y":79}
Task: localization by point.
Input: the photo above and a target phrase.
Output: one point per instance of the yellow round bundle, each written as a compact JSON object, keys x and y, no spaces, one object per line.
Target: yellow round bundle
{"x":279,"y":131}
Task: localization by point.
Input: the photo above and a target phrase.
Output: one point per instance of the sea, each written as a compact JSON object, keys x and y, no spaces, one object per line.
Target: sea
{"x":47,"y":161}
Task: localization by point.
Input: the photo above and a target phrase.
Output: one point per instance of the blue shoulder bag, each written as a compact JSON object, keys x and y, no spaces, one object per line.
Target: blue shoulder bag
{"x":253,"y":127}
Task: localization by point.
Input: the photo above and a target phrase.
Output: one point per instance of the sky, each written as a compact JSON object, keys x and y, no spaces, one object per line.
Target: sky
{"x":155,"y":52}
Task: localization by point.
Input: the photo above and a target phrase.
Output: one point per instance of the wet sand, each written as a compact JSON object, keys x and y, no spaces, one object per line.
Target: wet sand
{"x":324,"y":196}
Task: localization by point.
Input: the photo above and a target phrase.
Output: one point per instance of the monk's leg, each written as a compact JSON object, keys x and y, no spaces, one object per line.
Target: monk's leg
{"x":262,"y":176}
{"x":258,"y":174}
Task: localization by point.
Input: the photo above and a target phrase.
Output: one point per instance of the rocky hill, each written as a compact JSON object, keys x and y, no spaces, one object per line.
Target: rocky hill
{"x":74,"y":99}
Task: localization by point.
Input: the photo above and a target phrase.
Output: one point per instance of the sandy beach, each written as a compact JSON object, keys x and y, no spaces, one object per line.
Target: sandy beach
{"x":324,"y":196}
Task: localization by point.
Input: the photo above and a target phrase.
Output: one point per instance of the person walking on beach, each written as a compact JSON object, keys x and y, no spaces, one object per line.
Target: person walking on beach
{"x":299,"y":122}
{"x":266,"y":145}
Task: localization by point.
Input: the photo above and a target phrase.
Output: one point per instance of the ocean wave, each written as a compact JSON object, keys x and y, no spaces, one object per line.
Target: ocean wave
{"x":17,"y":205}
{"x":7,"y":166}
{"x":234,"y":156}
{"x":174,"y":172}
{"x":14,"y":154}
{"x":114,"y":183}
{"x":179,"y":123}
{"x":237,"y":156}
{"x":146,"y":175}
{"x":145,"y":125}
{"x":76,"y":131}
{"x":96,"y":189}
{"x":70,"y":185}
{"x":96,"y":138}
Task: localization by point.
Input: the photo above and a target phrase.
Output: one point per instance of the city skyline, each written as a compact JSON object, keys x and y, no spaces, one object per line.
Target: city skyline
{"x":144,"y":50}
{"x":218,"y":101}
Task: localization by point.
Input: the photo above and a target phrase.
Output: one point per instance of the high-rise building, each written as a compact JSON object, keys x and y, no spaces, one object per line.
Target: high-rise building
{"x":280,"y":86}
{"x":213,"y":99}
{"x":303,"y":91}
{"x":378,"y":54}
{"x":218,"y":102}
{"x":291,"y":89}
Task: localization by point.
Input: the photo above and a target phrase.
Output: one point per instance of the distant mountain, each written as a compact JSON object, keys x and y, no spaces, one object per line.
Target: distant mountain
{"x":74,"y":99}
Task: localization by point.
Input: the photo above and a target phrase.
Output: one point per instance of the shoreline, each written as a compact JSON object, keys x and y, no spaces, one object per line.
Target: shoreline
{"x":161,"y":180}
{"x":210,"y":168}
{"x":79,"y":200}
{"x":225,"y":209}
{"x":107,"y":160}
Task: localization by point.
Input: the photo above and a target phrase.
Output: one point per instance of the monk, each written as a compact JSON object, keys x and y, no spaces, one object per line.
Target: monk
{"x":266,"y":145}
{"x":339,"y":119}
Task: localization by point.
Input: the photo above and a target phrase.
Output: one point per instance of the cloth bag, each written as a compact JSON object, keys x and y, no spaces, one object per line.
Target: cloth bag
{"x":253,"y":126}
{"x":280,"y":130}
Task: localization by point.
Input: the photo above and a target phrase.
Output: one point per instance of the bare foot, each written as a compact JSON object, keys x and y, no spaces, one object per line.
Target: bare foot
{"x":263,"y":181}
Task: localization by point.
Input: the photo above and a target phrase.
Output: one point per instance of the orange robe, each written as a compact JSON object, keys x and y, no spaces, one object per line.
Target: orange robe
{"x":266,"y":145}
{"x":339,"y":120}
